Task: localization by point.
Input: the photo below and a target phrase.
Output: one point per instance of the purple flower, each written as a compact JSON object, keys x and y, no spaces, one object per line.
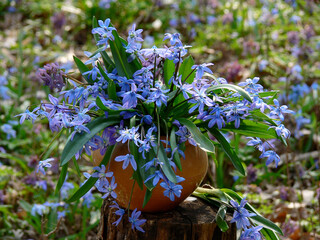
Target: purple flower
{"x":251,"y":85}
{"x":171,"y":189}
{"x":216,"y":118}
{"x":156,"y":176}
{"x":135,"y":221}
{"x":101,"y":173}
{"x":278,"y":110}
{"x":129,"y":134}
{"x":256,"y":142}
{"x":39,"y":209}
{"x":129,"y":158}
{"x":158,"y":96}
{"x":240,"y":215}
{"x":51,"y":74}
{"x":7,"y":128}
{"x":271,"y":156}
{"x":282,"y":131}
{"x":43,"y":164}
{"x":185,"y":135}
{"x":130,"y":98}
{"x":104,"y":31}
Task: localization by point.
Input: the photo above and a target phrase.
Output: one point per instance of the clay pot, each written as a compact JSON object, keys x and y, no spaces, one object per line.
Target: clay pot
{"x":194,"y":168}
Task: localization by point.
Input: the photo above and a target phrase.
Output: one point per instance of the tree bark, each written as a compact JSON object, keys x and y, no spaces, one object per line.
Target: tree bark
{"x":191,"y":220}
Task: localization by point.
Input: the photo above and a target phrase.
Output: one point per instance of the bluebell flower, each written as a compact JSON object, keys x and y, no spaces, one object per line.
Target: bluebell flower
{"x":158,"y":96}
{"x":258,"y":103}
{"x":105,"y":32}
{"x":278,"y":110}
{"x":156,"y":176}
{"x":216,"y":117}
{"x":135,"y":221}
{"x":101,"y":173}
{"x":185,"y":135}
{"x":61,"y":214}
{"x":130,"y":98}
{"x":256,"y":142}
{"x":66,"y":187}
{"x":240,"y":215}
{"x":129,"y":158}
{"x":39,"y":209}
{"x":88,"y":198}
{"x":235,"y":112}
{"x":174,"y":38}
{"x":251,"y":85}
{"x":43,"y":164}
{"x":93,"y":73}
{"x":129,"y":134}
{"x":171,"y":189}
{"x":263,"y":64}
{"x":200,"y":99}
{"x":251,"y":233}
{"x":26,"y":116}
{"x":108,"y":188}
{"x":3,"y":89}
{"x":134,"y":35}
{"x":282,"y":131}
{"x":201,"y":69}
{"x":271,"y":156}
{"x":120,"y":212}
{"x":42,"y":184}
{"x":7,"y":128}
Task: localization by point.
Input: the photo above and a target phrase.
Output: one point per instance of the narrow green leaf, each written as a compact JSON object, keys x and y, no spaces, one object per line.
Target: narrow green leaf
{"x":82,"y":68}
{"x":112,"y":92}
{"x":220,"y":218}
{"x":185,"y":70}
{"x":91,"y":181}
{"x":99,"y":50}
{"x":231,"y":87}
{"x":80,"y":139}
{"x":228,"y":150}
{"x":203,"y":142}
{"x":75,"y":163}
{"x":25,"y":205}
{"x":173,"y":143}
{"x":166,"y":167}
{"x":168,"y":71}
{"x":62,"y":177}
{"x":147,"y":197}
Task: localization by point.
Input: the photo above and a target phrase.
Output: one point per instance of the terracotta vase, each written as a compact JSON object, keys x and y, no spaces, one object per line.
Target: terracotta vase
{"x":194,"y":168}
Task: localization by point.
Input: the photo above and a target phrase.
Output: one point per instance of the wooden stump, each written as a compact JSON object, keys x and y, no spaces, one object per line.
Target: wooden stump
{"x":191,"y":220}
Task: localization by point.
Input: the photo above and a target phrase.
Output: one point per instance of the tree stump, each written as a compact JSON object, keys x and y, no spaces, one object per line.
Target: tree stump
{"x":191,"y":220}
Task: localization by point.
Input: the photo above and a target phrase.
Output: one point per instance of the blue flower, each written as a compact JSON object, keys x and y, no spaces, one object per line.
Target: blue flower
{"x":174,"y":38}
{"x":27,"y":115}
{"x":130,"y":98}
{"x":66,"y":187}
{"x":216,"y":118}
{"x":257,"y":143}
{"x":134,"y":35}
{"x":271,"y":156}
{"x":93,"y":73}
{"x":251,"y":85}
{"x":171,"y":189}
{"x":278,"y":110}
{"x":282,"y":131}
{"x":38,"y":209}
{"x":251,"y":233}
{"x":108,"y":188}
{"x":129,"y":158}
{"x":129,"y":134}
{"x":240,"y":215}
{"x":158,"y":96}
{"x":156,"y":176}
{"x":104,"y":31}
{"x":135,"y":221}
{"x":120,"y":212}
{"x":185,"y":135}
{"x":7,"y":128}
{"x":43,"y":164}
{"x":200,"y":69}
{"x":101,"y":174}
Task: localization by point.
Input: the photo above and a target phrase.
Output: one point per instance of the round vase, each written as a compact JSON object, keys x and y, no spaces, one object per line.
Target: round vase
{"x":194,"y":169}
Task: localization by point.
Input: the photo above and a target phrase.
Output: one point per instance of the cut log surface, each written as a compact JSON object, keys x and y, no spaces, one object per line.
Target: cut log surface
{"x":193,"y":219}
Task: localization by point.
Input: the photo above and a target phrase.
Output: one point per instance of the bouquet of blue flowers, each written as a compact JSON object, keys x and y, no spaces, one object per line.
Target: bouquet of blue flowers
{"x":155,"y":100}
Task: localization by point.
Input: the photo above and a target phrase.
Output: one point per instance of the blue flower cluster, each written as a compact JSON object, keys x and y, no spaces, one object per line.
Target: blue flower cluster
{"x":240,"y":217}
{"x":151,"y":99}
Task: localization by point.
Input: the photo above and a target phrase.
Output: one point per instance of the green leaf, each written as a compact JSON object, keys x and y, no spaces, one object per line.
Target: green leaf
{"x":91,"y":181}
{"x":260,"y":115}
{"x":228,"y":150}
{"x":62,"y":177}
{"x":231,"y":87}
{"x":80,"y":139}
{"x":253,"y":129}
{"x":166,"y":167}
{"x":82,"y":68}
{"x":173,"y":143}
{"x":124,"y":68}
{"x":147,"y":197}
{"x":168,"y":71}
{"x":203,"y":142}
{"x":185,"y":70}
{"x":25,"y":205}
{"x":112,"y":92}
{"x":220,"y":218}
{"x":99,"y":50}
{"x":76,"y":165}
